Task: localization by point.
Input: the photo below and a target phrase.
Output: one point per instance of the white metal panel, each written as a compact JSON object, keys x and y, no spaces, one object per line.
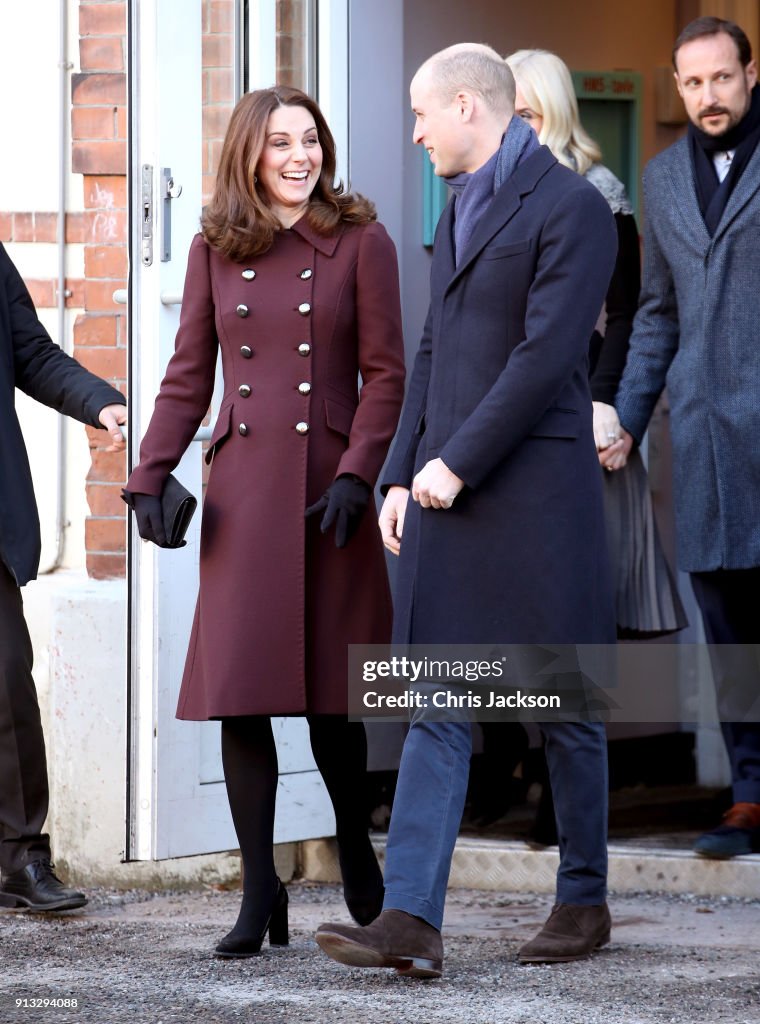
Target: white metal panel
{"x":166,"y":105}
{"x":333,"y":76}
{"x":262,"y":36}
{"x":178,"y":802}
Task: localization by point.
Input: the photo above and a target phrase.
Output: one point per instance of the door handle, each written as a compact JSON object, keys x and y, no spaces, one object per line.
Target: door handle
{"x":169,"y":190}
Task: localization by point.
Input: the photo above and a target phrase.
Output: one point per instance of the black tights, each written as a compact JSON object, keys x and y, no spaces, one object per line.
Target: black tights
{"x":249,"y":757}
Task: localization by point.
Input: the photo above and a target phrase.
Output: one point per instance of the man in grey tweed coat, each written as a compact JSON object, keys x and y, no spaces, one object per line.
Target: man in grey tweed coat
{"x":698,"y":333}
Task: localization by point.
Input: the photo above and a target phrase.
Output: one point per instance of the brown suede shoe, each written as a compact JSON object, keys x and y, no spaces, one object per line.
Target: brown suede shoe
{"x":394,"y":939}
{"x":571,"y":933}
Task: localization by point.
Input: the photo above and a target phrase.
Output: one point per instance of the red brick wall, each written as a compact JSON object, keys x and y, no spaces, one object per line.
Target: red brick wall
{"x":218,"y":48}
{"x":36,"y":226}
{"x":99,"y":153}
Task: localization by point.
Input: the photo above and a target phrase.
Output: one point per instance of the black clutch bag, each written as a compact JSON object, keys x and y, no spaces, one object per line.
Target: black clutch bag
{"x":177,"y":505}
{"x":177,"y":508}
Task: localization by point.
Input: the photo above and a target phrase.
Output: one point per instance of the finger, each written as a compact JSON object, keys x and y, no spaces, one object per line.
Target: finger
{"x":400,"y":517}
{"x":609,"y":453}
{"x":390,"y":540}
{"x":118,"y":444}
{"x":318,"y":506}
{"x":341,"y":528}
{"x":331,"y":513}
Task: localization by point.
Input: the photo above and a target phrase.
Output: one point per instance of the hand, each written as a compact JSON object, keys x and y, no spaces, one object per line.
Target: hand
{"x":343,"y":503}
{"x":616,"y":455}
{"x":150,"y":519}
{"x":391,"y":521}
{"x":111,"y":417}
{"x":435,"y":486}
{"x":607,"y":427}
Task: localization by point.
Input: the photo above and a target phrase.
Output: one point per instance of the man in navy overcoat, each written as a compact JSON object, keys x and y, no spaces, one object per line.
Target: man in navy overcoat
{"x":30,"y":361}
{"x":494,"y":499}
{"x":698,"y":333}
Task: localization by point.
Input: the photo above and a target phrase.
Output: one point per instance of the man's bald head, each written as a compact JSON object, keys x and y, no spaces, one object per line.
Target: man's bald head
{"x":473,"y":68}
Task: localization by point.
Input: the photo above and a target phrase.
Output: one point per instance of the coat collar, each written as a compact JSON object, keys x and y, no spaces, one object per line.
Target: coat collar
{"x":744,"y":190}
{"x":681,"y":180}
{"x":326,"y":244}
{"x":506,"y":202}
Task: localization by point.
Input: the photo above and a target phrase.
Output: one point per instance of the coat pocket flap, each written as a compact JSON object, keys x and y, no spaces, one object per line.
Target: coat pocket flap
{"x":497,"y":252}
{"x":220,"y":431}
{"x":558,"y":423}
{"x":338,"y":417}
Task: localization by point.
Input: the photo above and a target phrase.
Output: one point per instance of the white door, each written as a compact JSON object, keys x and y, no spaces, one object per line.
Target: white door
{"x":189,"y":61}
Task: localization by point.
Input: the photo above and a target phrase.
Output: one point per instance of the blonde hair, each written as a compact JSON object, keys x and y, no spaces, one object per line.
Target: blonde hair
{"x":545,"y":82}
{"x":476,"y":68}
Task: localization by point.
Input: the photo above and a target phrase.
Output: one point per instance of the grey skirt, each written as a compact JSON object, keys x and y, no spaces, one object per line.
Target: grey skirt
{"x":646,"y":596}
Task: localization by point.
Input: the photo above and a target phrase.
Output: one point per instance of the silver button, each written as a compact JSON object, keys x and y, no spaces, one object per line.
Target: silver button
{"x":305,"y":388}
{"x":306,"y":274}
{"x":304,"y":309}
{"x":302,"y":428}
{"x":244,"y":390}
{"x":243,"y":429}
{"x":304,"y":348}
{"x":248,"y":275}
{"x":246,"y":351}
{"x":242,"y":310}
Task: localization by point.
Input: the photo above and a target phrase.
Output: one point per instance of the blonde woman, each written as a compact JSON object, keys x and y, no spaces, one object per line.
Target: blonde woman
{"x":646,"y":597}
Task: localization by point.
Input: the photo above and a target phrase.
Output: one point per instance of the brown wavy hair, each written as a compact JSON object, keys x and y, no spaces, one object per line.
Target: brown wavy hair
{"x":237,"y":221}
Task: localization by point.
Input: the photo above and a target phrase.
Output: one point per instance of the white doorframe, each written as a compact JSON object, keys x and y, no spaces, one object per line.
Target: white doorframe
{"x":165,"y":122}
{"x":177,"y":800}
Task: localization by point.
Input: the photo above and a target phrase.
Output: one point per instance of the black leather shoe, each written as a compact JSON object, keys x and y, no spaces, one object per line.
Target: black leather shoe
{"x":37,"y":888}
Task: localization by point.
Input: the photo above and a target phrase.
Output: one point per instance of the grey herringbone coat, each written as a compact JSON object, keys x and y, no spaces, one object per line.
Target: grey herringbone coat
{"x":698,"y":332}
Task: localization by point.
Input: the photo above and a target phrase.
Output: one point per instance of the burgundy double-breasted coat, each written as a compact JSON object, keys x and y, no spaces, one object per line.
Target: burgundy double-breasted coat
{"x":278,"y":603}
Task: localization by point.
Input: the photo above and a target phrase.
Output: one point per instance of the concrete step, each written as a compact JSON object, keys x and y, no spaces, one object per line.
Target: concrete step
{"x":497,"y":865}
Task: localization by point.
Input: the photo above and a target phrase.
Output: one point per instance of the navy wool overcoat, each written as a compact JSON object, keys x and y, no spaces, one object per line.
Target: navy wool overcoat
{"x":500,"y":392}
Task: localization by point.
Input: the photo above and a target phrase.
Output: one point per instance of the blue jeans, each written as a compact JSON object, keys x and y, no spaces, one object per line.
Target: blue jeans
{"x":430,"y":797}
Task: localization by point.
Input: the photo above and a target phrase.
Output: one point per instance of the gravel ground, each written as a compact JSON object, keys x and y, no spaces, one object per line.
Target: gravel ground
{"x":142,"y":958}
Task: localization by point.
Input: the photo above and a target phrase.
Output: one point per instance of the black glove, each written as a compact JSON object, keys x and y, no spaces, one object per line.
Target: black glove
{"x":150,"y":520}
{"x":344,"y":503}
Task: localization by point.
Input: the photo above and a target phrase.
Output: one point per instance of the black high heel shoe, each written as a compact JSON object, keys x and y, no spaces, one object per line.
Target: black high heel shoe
{"x":239,"y":943}
{"x":363,"y":888}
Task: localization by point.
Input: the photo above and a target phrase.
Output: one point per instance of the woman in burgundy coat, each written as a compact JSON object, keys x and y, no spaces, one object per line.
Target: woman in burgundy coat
{"x":297,"y":283}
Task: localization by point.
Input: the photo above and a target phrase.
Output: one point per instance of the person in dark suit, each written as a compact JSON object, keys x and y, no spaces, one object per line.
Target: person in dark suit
{"x":494,"y":502}
{"x":696,"y":332}
{"x":30,"y":361}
